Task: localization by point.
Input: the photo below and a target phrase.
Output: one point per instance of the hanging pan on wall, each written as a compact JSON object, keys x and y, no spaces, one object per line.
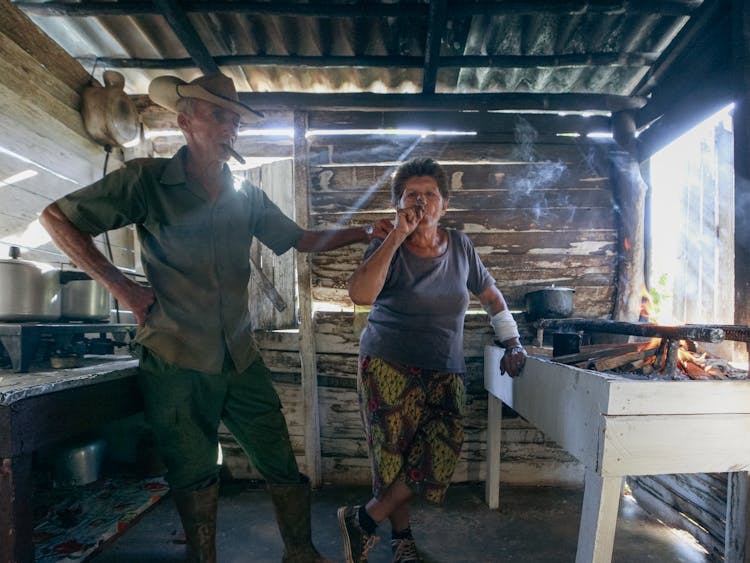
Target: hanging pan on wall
{"x":109,"y":115}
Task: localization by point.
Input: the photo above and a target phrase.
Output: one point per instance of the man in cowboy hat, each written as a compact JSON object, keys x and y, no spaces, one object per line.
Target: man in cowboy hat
{"x":199,"y":363}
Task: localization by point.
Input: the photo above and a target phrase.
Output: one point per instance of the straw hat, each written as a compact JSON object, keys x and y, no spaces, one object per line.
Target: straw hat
{"x":215,"y":88}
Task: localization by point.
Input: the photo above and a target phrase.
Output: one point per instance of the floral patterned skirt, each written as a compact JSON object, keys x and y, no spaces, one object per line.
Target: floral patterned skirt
{"x":413,"y":421}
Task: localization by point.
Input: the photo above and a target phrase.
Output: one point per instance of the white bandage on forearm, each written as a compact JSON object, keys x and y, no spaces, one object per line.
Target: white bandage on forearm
{"x":505,"y":326}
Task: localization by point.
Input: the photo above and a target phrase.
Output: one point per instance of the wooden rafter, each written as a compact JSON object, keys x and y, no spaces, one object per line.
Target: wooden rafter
{"x":694,"y":28}
{"x":456,"y":8}
{"x":584,"y":103}
{"x":435,"y":29}
{"x":385,"y":61}
{"x":186,"y":33}
{"x":442,"y":102}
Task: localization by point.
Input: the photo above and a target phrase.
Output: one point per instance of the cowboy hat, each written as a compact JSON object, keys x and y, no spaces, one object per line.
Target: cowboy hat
{"x":215,"y":88}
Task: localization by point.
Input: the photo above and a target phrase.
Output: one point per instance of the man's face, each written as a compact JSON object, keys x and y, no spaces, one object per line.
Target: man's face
{"x":209,"y":129}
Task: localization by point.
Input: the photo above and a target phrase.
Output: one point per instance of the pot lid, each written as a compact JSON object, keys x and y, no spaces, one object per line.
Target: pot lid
{"x":554,"y":288}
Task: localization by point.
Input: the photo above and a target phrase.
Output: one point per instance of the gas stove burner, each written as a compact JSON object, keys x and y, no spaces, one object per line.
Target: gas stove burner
{"x":66,"y":361}
{"x":23,"y":341}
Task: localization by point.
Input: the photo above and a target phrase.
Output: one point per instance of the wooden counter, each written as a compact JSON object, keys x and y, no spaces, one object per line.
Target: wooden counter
{"x":616,"y":427}
{"x":40,"y":408}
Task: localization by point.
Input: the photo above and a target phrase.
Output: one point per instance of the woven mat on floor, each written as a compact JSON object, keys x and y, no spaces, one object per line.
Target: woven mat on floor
{"x":72,"y":523}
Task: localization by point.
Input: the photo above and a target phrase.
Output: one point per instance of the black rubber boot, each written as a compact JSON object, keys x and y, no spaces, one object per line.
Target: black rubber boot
{"x":198,"y":514}
{"x":291,"y":503}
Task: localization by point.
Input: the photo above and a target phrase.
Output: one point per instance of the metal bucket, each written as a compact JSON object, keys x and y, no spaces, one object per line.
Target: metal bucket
{"x":78,"y":464}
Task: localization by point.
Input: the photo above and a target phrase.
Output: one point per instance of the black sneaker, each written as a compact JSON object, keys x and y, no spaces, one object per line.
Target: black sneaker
{"x":357,"y":542}
{"x":404,"y":551}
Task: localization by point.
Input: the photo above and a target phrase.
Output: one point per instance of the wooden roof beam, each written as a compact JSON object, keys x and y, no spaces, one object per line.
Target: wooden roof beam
{"x":435,"y":29}
{"x":370,"y":61}
{"x":186,"y":33}
{"x":442,"y":102}
{"x":695,"y":27}
{"x":456,"y":8}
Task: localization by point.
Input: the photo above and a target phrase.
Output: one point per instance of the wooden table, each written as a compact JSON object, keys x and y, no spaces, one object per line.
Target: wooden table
{"x":617,"y":427}
{"x":39,"y":409}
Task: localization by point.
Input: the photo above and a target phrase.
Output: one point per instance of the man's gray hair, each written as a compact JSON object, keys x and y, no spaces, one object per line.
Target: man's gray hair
{"x":185,"y":105}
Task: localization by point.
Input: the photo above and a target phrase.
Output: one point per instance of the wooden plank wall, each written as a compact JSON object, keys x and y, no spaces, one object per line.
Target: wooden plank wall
{"x":42,"y":136}
{"x":696,"y":503}
{"x":539,"y":214}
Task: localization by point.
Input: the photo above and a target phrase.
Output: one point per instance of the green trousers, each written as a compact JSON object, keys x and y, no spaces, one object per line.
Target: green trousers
{"x":184,"y":408}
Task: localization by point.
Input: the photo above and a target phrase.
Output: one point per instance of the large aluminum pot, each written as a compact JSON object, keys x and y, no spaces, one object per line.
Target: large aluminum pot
{"x":549,"y":303}
{"x":83,"y":299}
{"x":28,"y":293}
{"x":78,"y":463}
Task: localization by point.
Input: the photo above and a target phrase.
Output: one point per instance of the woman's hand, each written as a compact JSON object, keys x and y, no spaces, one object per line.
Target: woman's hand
{"x":380,"y":229}
{"x":513,"y":360}
{"x":407,"y":219}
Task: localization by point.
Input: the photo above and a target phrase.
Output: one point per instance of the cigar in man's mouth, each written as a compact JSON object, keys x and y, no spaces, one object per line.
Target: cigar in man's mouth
{"x":234,"y":153}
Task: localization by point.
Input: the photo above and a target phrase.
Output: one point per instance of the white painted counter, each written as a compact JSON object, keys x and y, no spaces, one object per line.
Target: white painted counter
{"x":617,"y":427}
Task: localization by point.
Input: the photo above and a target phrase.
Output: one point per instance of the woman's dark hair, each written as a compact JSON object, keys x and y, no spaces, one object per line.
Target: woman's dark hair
{"x":418,"y":167}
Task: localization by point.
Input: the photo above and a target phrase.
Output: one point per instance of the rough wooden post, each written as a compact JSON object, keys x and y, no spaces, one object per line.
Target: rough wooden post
{"x":736,"y":546}
{"x":630,"y":197}
{"x":735,"y":538}
{"x":741,"y":57}
{"x":16,"y":514}
{"x":306,"y":327}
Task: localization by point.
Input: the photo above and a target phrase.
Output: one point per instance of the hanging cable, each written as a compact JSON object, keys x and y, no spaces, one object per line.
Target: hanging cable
{"x":107,"y":244}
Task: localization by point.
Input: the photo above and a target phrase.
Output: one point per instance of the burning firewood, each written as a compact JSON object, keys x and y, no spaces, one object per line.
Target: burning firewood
{"x":658,"y":357}
{"x":624,"y":359}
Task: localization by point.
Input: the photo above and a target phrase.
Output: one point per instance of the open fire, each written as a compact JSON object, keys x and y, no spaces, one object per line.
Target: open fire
{"x":662,"y":352}
{"x":650,"y":358}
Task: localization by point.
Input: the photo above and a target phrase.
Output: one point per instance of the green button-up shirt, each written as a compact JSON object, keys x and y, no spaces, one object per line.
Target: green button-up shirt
{"x":195,"y":254}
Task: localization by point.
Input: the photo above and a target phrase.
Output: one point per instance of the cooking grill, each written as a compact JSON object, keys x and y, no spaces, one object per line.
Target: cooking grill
{"x":671,"y":337}
{"x":22,"y":341}
{"x":618,"y":426}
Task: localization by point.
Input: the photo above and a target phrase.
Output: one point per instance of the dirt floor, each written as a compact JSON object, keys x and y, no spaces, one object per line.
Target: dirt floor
{"x":533,"y":525}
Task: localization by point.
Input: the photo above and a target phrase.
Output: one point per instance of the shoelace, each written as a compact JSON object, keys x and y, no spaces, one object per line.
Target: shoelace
{"x":367,"y":546}
{"x":406,"y":550}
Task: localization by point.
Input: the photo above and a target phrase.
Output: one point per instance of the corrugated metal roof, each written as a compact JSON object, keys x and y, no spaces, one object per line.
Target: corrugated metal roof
{"x":527,"y":47}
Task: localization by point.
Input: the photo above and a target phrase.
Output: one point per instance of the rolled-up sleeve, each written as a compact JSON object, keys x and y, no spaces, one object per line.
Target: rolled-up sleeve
{"x":270,"y":225}
{"x":114,"y":201}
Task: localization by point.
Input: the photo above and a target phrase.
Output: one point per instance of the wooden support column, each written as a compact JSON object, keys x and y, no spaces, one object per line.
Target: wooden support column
{"x":16,"y":515}
{"x":735,"y":537}
{"x":306,"y":325}
{"x":741,"y":58}
{"x":630,"y":197}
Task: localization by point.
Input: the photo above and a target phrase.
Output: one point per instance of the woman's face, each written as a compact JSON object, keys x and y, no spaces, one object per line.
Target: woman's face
{"x":422,"y":192}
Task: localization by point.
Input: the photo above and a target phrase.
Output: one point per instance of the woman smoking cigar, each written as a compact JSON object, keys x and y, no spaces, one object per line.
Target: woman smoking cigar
{"x":411,"y":365}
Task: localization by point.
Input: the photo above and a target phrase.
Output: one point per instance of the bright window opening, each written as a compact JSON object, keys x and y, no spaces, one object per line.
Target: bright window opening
{"x":691,"y":263}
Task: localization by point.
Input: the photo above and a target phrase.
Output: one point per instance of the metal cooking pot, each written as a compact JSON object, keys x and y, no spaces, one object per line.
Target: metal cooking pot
{"x":27,"y":292}
{"x":82,"y":298}
{"x":78,"y":463}
{"x":549,"y":303}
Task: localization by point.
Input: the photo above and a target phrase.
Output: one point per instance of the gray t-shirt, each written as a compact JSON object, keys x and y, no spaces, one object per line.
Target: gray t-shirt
{"x":418,"y":317}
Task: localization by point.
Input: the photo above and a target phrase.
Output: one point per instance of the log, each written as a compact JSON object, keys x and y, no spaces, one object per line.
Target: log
{"x":699,"y":333}
{"x":598,"y":352}
{"x":619,"y":361}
